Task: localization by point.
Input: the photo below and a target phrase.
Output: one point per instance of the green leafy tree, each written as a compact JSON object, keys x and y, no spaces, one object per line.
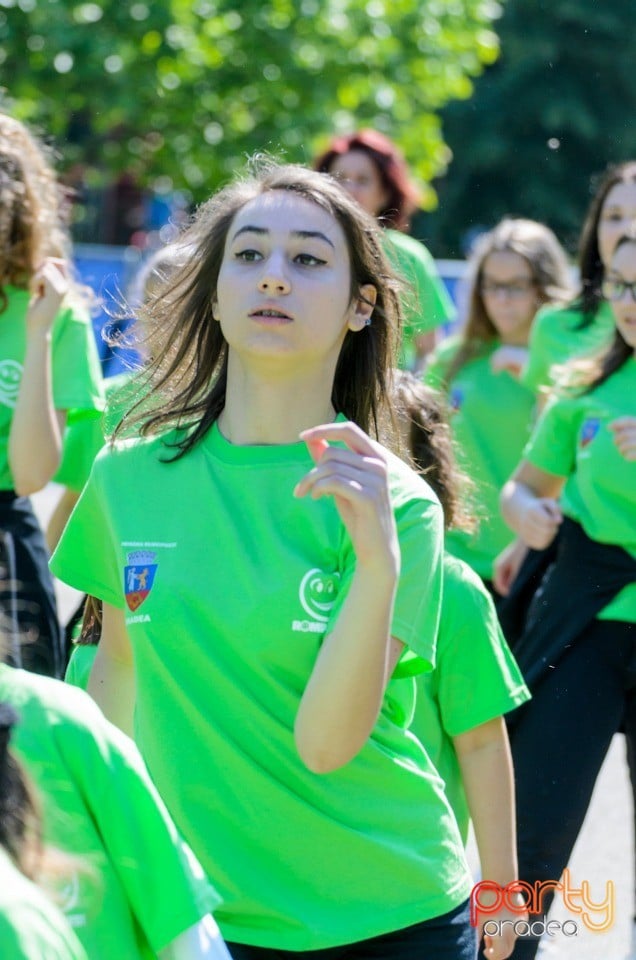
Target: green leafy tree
{"x":556,"y":108}
{"x":178,"y":92}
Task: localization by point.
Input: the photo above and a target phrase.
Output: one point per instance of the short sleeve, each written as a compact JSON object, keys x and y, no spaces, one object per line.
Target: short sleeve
{"x":77,"y":378}
{"x":552,"y":446}
{"x":83,"y":439}
{"x":419,"y":594}
{"x":85,"y":557}
{"x":418,"y":598}
{"x":165,"y":885}
{"x":426,"y":301}
{"x":477,"y":676}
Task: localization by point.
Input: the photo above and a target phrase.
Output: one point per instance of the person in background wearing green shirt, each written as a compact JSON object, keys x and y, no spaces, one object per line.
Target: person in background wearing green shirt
{"x":375,"y":173}
{"x":476,"y":680}
{"x":582,"y":327}
{"x":31,"y":926}
{"x":49,"y":375}
{"x":577,"y":650}
{"x":265,"y":571}
{"x":586,"y":325}
{"x":130,"y":888}
{"x":515,"y":268}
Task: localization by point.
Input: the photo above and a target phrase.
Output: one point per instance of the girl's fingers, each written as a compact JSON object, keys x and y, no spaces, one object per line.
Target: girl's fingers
{"x":622,"y":423}
{"x":347,"y":433}
{"x":317,"y":447}
{"x":363,"y":480}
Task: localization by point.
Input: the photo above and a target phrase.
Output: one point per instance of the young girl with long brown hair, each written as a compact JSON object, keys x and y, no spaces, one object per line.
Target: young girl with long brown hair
{"x":515,"y":268}
{"x":263,"y":574}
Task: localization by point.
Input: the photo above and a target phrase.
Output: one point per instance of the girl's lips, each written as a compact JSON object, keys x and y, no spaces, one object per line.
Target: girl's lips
{"x":270,"y":316}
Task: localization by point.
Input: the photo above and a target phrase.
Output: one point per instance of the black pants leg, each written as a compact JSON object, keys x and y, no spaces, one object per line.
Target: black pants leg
{"x":559,"y":742}
{"x":27,"y":597}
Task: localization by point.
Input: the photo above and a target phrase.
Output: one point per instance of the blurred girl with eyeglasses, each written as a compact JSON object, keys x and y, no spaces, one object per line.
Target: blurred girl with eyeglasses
{"x":516,"y":268}
{"x":575,"y":487}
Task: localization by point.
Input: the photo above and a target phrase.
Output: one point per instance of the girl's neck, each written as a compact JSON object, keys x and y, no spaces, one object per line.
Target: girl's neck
{"x":273,"y":408}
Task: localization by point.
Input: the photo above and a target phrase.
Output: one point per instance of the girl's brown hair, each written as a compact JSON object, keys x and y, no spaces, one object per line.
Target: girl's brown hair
{"x":592,"y":372}
{"x":20,"y":816}
{"x":30,"y":207}
{"x":548,"y":263}
{"x":91,"y":630}
{"x":423,"y":412}
{"x":184,"y":384}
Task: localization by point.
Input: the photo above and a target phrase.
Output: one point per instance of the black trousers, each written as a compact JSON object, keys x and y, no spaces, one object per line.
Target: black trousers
{"x":449,"y":937}
{"x":27,"y":598}
{"x":559,"y":741}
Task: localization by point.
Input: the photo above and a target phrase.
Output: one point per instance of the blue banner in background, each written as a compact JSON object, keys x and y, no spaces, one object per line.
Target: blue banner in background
{"x":109,"y":272}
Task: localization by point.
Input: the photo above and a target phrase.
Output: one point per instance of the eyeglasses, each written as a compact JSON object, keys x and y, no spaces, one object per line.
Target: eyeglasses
{"x":616,"y":289}
{"x":516,"y":290}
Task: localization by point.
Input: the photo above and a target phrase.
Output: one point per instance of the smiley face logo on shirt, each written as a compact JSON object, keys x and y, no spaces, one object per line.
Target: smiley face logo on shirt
{"x":318,"y":592}
{"x":10,"y":377}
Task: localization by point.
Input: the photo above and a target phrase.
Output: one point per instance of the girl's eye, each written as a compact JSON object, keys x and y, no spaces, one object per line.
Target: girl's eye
{"x":308,"y":260}
{"x":250,"y":256}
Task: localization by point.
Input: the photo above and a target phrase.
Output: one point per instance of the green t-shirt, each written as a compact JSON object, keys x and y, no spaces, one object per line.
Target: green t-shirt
{"x":31,"y":926}
{"x":229,"y":585}
{"x":80,"y":665}
{"x":426,"y":302}
{"x":475,"y":679}
{"x":491,"y":419}
{"x":84,"y":436}
{"x":141,"y":887}
{"x":572,"y":440}
{"x":75,"y":365}
{"x":556,"y":338}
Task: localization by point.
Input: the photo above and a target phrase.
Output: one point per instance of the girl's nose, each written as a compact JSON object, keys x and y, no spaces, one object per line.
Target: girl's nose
{"x":274,"y":281}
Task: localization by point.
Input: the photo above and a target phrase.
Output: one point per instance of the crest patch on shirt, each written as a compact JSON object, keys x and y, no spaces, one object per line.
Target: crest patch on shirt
{"x":139,"y":576}
{"x":590,"y":428}
{"x":456,"y":399}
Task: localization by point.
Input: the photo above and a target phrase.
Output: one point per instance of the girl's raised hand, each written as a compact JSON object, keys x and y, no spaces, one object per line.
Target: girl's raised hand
{"x":357,"y":478}
{"x":49,"y":285}
{"x":624,"y":430}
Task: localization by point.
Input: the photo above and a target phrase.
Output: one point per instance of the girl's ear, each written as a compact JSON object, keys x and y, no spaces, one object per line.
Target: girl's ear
{"x":215,"y":307}
{"x":363,"y":307}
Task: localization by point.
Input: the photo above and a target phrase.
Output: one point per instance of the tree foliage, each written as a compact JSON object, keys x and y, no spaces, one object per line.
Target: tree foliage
{"x":556,"y":108}
{"x":179,"y":91}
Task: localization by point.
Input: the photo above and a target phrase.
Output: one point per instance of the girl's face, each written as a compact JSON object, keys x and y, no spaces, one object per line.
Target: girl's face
{"x":361,"y":178}
{"x":284,"y":287}
{"x":510,"y":295}
{"x":617,"y":219}
{"x":621,"y":281}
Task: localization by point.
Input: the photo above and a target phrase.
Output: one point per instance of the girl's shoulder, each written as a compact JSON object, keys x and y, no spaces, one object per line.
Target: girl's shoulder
{"x":408,"y":247}
{"x":568,"y":317}
{"x":406,"y":486}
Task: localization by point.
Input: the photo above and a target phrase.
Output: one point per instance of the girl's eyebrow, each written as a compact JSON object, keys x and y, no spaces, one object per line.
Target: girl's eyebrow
{"x":303,"y":234}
